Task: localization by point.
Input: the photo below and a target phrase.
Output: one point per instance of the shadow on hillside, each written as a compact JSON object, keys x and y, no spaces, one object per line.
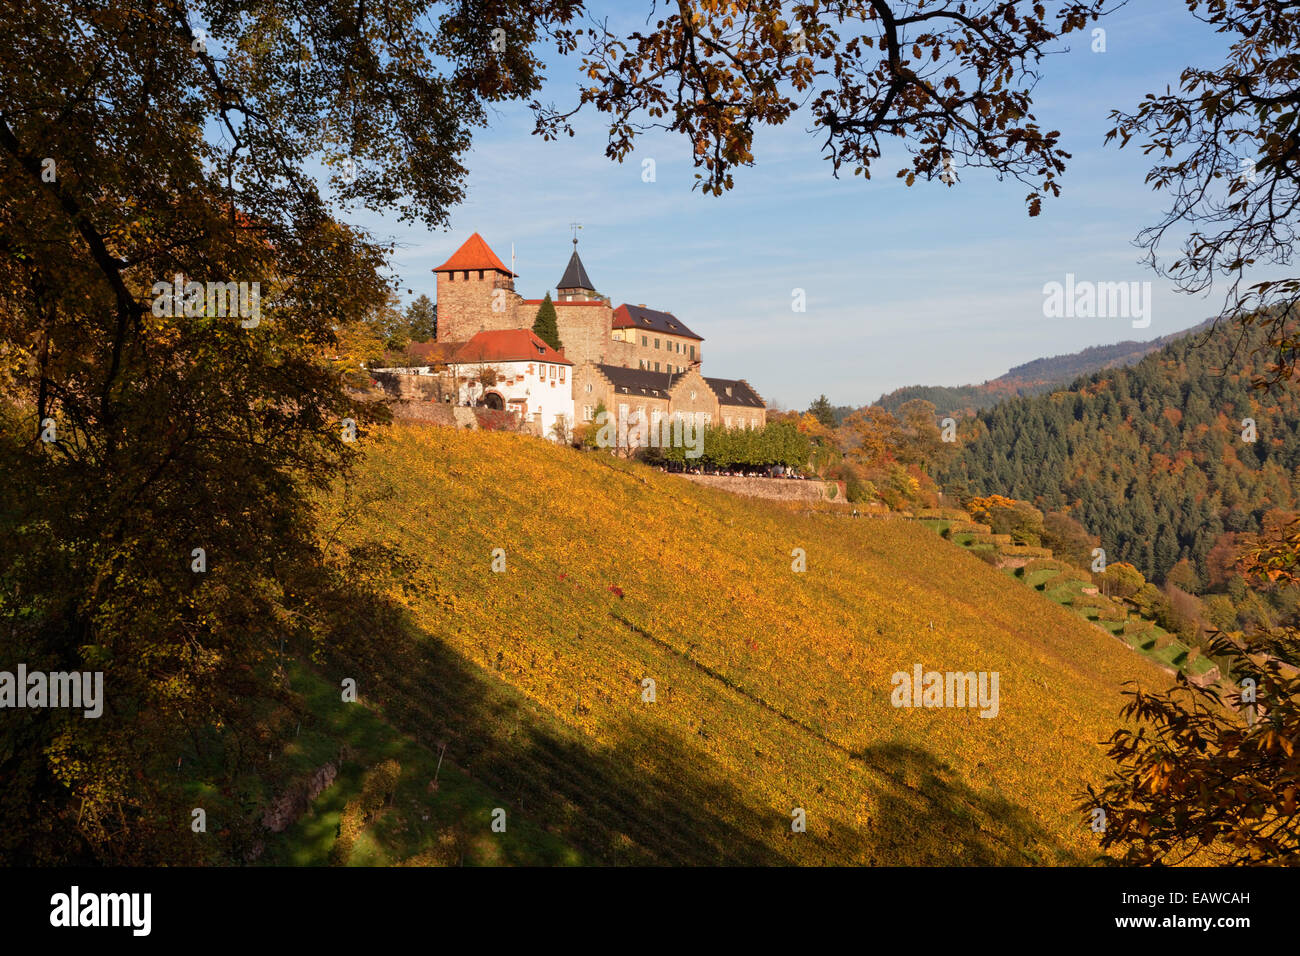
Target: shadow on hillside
{"x":652,"y":798}
{"x":932,"y":818}
{"x":646,"y":800}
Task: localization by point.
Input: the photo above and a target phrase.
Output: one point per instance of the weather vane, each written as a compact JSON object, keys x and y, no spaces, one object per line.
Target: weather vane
{"x":575,"y":226}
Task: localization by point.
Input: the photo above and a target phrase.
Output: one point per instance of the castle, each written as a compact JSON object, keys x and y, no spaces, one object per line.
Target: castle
{"x":632,"y":359}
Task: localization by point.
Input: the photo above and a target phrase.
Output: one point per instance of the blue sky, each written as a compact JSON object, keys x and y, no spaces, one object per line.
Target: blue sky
{"x":923,"y":285}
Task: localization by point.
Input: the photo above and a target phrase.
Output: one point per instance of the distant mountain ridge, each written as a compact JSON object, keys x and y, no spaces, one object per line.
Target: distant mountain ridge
{"x":1032,"y":378}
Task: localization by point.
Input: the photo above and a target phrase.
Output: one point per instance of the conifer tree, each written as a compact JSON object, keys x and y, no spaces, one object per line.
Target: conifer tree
{"x":821,"y":410}
{"x":545,"y":326}
{"x":422,"y":319}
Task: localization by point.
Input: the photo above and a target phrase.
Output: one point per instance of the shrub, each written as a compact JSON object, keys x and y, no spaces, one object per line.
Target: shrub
{"x":1019,"y":519}
{"x":1111,"y":611}
{"x":377,"y":788}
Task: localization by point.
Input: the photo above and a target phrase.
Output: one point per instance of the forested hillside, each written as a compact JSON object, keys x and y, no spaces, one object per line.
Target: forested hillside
{"x":1031,"y":378}
{"x":1154,"y":458}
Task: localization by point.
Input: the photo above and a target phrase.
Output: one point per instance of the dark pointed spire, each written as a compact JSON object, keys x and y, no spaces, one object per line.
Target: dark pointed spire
{"x":575,"y":276}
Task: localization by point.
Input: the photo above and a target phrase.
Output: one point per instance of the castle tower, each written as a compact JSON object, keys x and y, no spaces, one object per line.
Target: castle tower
{"x":476,"y":292}
{"x":574,"y":286}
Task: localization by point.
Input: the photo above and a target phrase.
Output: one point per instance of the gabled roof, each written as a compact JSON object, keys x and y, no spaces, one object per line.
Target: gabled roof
{"x":640,"y":381}
{"x":507,"y":345}
{"x":638,"y":317}
{"x":732,"y":391}
{"x":575,"y":276}
{"x":473,"y":254}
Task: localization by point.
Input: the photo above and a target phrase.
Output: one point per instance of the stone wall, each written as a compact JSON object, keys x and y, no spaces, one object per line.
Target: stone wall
{"x":584,"y":328}
{"x":414,"y":388}
{"x":620,"y":353}
{"x":465,"y":304}
{"x":632,"y":354}
{"x":778,"y":489}
{"x":435,"y":413}
{"x":691,"y":394}
{"x":459,"y":416}
{"x":742,"y":416}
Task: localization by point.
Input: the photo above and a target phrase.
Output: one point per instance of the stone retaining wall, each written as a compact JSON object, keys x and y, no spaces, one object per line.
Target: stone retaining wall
{"x":779,"y":489}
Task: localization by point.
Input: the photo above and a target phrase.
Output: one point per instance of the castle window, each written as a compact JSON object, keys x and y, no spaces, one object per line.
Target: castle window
{"x":588,"y":386}
{"x":588,"y":412}
{"x":656,"y":366}
{"x":644,"y":340}
{"x":692,"y":351}
{"x":656,"y":343}
{"x":561,"y":373}
{"x":466,"y":275}
{"x":728,"y":421}
{"x":480,"y":273}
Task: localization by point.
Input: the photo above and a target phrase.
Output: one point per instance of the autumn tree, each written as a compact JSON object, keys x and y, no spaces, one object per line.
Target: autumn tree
{"x":1212,"y":774}
{"x":869,"y":436}
{"x":1068,"y":539}
{"x":919,"y":440}
{"x":1226,"y":148}
{"x":824,"y":450}
{"x":951,"y":82}
{"x":1120,"y":579}
{"x":165,"y":430}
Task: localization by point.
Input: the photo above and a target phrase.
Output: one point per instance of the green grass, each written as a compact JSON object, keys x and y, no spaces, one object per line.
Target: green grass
{"x":458,"y":811}
{"x":937,"y":525}
{"x":1065,"y":593}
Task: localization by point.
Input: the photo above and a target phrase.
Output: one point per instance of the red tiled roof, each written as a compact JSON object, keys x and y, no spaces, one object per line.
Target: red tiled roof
{"x":474,"y":254}
{"x":507,"y":345}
